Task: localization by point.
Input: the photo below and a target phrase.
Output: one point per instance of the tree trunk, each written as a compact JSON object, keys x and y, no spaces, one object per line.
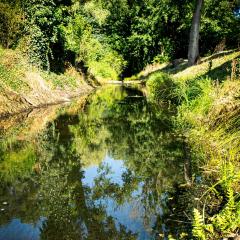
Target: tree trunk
{"x":193,"y":48}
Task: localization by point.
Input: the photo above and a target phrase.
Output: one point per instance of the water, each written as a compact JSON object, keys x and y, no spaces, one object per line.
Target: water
{"x":106,"y":168}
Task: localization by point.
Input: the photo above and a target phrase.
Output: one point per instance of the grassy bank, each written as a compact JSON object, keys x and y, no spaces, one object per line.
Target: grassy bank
{"x":207,"y":98}
{"x":23,"y":86}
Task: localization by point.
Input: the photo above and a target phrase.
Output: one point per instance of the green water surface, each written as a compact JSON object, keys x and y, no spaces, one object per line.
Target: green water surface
{"x":108,"y":170}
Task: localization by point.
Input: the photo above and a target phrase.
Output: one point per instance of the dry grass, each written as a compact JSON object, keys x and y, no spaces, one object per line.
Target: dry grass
{"x":204,"y":69}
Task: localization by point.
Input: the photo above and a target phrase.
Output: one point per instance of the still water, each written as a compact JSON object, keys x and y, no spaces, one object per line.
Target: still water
{"x":108,"y":167}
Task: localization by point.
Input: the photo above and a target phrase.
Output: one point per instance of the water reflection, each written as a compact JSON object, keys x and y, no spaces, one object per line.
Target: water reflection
{"x":102,"y":172}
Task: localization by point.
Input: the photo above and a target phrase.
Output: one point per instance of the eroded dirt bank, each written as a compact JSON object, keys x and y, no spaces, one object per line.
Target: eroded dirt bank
{"x":24,"y":87}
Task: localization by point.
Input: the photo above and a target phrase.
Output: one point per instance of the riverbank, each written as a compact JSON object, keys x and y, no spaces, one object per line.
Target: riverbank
{"x":24,"y":87}
{"x":207,"y":98}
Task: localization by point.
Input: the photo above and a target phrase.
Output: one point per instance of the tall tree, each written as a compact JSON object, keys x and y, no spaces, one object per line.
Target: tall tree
{"x":193,"y":48}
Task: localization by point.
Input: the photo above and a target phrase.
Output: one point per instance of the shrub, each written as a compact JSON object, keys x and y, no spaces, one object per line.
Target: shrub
{"x":161,"y":87}
{"x":11,"y":24}
{"x":92,"y":49}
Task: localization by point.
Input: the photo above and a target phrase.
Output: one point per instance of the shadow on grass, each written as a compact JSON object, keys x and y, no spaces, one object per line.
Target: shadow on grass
{"x":171,"y":68}
{"x":220,"y":73}
{"x":217,"y":55}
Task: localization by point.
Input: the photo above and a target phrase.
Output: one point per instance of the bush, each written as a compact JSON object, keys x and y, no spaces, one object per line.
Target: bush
{"x":92,"y":49}
{"x":11,"y":24}
{"x":161,"y":87}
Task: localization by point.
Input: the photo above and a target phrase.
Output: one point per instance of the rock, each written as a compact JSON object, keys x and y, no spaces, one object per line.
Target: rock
{"x":177,"y":62}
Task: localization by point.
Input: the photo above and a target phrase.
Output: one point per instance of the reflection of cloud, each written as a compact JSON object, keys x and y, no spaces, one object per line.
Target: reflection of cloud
{"x":130,"y":212}
{"x":129,"y":215}
{"x":116,"y":168}
{"x":16,"y":230}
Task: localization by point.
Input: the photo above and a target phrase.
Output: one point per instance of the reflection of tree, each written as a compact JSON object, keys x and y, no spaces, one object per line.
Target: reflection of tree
{"x":21,"y":202}
{"x":140,"y":134}
{"x":125,"y":127}
{"x":17,"y":188}
{"x":67,"y":203}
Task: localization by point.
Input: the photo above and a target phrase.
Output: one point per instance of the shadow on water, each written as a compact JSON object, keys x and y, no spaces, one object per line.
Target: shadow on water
{"x":109,"y":171}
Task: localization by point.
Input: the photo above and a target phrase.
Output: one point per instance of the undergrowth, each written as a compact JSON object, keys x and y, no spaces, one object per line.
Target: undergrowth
{"x":14,"y":67}
{"x":208,"y":110}
{"x":208,"y":115}
{"x":161,"y":87}
{"x":226,"y":222}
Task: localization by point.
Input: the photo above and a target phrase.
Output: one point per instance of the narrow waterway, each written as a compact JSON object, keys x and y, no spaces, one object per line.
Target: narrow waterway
{"x":109,"y":168}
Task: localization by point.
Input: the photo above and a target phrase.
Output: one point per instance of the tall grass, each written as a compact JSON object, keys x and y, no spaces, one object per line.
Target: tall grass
{"x":208,"y":114}
{"x":161,"y":87}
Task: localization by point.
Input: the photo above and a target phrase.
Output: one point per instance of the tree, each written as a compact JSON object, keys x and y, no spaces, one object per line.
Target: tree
{"x":193,"y":48}
{"x":11,"y":24}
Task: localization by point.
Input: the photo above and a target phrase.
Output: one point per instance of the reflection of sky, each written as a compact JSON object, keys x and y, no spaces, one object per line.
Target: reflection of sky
{"x":130,"y":213}
{"x":116,"y":170}
{"x":237,"y":12}
{"x":16,"y":230}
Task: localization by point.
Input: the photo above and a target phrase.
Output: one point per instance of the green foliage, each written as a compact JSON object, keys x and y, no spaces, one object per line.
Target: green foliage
{"x":92,"y":49}
{"x":101,"y":60}
{"x":74,"y":31}
{"x":11,"y":24}
{"x":166,"y":51}
{"x":219,"y":23}
{"x":198,"y":226}
{"x":12,"y":68}
{"x":43,"y":28}
{"x":227,"y":220}
{"x":39,"y":50}
{"x":161,"y":87}
{"x":142,"y":38}
{"x":133,"y":33}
